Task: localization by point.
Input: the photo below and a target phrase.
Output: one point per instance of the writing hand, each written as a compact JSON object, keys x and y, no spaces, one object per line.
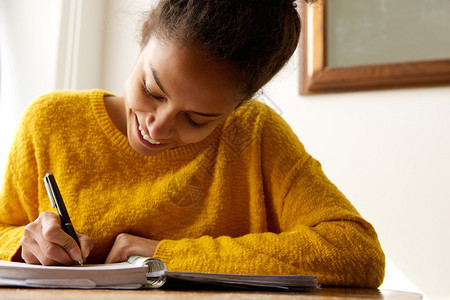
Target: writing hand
{"x":126,"y":245}
{"x":45,"y":242}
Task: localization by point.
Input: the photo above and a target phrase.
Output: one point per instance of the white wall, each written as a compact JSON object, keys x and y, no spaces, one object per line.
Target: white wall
{"x":29,"y":44}
{"x":122,"y":23}
{"x":29,"y":33}
{"x":388,"y":151}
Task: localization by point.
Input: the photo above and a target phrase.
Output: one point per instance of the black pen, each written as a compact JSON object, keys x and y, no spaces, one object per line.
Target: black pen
{"x":56,"y":200}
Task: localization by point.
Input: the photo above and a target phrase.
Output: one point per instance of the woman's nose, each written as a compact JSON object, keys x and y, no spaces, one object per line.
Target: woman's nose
{"x":161,"y":124}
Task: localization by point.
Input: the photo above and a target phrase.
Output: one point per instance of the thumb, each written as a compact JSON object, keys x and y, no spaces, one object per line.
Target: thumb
{"x":87,"y":244}
{"x":73,"y":249}
{"x":72,"y":245}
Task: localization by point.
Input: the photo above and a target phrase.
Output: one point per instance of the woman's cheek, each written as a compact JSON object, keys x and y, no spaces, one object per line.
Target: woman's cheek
{"x":195,"y":135}
{"x":138,"y":102}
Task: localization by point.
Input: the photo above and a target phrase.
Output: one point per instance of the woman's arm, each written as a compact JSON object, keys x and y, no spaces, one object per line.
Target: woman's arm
{"x":319,"y":233}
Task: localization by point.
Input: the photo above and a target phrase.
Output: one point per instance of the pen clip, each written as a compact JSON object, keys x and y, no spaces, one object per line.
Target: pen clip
{"x":50,"y":192}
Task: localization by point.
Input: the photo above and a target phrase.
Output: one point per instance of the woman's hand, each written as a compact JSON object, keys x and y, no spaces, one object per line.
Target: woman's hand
{"x":126,"y":245}
{"x":45,"y":242}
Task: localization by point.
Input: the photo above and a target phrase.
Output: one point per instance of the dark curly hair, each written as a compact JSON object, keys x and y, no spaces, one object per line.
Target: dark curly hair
{"x":256,"y":37}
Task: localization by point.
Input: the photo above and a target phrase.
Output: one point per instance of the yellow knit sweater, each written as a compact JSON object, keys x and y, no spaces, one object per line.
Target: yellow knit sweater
{"x":247,"y":199}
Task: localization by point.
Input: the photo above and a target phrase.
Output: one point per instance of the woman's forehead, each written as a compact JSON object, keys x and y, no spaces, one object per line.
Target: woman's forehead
{"x":187,"y":72}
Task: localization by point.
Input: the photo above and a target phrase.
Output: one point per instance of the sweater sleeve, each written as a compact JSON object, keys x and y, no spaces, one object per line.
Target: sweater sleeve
{"x":314,"y":228}
{"x":18,"y":194}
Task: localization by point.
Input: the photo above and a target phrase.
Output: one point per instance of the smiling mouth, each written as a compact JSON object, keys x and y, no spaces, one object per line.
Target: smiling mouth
{"x":147,"y":137}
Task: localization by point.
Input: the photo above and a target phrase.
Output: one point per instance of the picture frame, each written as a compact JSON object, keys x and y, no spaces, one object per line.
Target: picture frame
{"x":316,"y":76}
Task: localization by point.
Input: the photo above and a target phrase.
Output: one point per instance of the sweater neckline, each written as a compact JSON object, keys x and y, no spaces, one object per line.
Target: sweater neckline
{"x":121,"y":143}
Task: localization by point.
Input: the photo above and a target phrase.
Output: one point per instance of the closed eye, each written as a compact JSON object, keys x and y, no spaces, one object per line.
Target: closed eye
{"x":195,"y":124}
{"x":148,"y":93}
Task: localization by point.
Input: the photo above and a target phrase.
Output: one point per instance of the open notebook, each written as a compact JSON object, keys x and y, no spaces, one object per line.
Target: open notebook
{"x":137,"y":272}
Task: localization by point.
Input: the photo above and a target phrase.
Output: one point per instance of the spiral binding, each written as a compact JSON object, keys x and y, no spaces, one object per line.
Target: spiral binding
{"x":155,"y":269}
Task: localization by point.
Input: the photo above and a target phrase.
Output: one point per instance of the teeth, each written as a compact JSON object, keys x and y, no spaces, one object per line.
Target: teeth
{"x":147,"y":138}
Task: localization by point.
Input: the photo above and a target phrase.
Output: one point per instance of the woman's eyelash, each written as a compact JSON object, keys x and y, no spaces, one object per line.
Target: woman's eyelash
{"x":147,"y":92}
{"x":193,"y":123}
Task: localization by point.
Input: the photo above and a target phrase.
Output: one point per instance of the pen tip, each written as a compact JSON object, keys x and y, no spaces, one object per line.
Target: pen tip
{"x":80,"y":262}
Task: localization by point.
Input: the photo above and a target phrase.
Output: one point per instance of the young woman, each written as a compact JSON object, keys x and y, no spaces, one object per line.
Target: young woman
{"x":185,"y":166}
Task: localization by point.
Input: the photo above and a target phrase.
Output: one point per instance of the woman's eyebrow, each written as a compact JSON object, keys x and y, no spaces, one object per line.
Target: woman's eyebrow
{"x":158,"y":82}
